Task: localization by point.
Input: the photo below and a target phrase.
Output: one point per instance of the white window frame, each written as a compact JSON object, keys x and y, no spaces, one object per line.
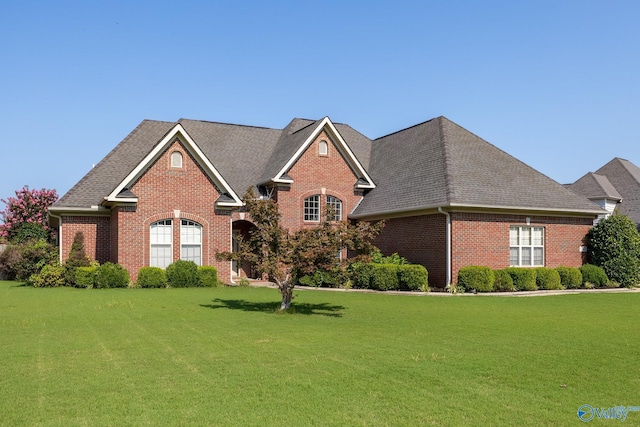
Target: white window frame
{"x":161,"y":243}
{"x":190,"y":241}
{"x":311,"y":212}
{"x":337,"y":207}
{"x":526,"y":246}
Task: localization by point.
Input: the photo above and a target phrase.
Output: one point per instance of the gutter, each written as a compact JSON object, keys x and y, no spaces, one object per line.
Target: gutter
{"x":448,"y":245}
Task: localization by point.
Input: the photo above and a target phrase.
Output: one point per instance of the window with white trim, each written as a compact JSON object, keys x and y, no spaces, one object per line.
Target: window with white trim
{"x":323,"y":148}
{"x":191,"y":241}
{"x":176,"y":159}
{"x":161,"y":239}
{"x":526,"y":246}
{"x":336,"y":205}
{"x":312,"y":208}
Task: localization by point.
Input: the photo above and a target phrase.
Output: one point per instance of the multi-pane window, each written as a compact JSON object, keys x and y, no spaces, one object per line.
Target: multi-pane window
{"x":312,"y":208}
{"x":526,"y":246}
{"x":161,"y":234}
{"x":191,"y":241}
{"x":336,"y":204}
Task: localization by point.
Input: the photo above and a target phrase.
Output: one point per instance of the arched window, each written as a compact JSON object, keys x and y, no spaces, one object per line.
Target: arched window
{"x":176,"y":159}
{"x":161,"y":237}
{"x":323,"y":148}
{"x":191,"y":241}
{"x":336,"y":204}
{"x":312,"y":208}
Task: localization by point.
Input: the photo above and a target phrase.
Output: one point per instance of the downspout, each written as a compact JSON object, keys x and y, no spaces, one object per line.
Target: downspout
{"x":448,"y":245}
{"x":59,"y":234}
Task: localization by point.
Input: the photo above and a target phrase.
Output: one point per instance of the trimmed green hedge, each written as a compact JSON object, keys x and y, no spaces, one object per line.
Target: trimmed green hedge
{"x":548,"y":278}
{"x":503,"y":282}
{"x":152,"y":277}
{"x":208,"y":276}
{"x":110,"y":275}
{"x":480,"y":278}
{"x":413,"y":277}
{"x":570,"y":277}
{"x":594,"y":275}
{"x":183,"y":274}
{"x":389,"y":277}
{"x":86,"y":277}
{"x":524,"y":279}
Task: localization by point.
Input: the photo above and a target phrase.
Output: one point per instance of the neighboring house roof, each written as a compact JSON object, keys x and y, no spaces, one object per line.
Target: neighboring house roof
{"x":595,"y":187}
{"x":440,"y":164}
{"x":625,"y":177}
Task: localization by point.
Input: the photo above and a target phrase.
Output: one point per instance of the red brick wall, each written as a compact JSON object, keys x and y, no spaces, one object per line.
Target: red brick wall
{"x":317,"y":174}
{"x":483,"y":239}
{"x":96,"y":231}
{"x":478,"y":239}
{"x":420,"y":239}
{"x":171,"y":193}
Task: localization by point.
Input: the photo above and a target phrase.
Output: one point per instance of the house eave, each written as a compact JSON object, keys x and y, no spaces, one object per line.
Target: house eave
{"x":505,"y":210}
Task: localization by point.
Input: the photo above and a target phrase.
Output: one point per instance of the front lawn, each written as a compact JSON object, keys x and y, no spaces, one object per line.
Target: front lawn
{"x":223,"y":356}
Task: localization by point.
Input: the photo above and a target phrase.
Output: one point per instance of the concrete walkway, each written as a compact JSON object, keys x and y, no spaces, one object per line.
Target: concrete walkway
{"x":263,"y":284}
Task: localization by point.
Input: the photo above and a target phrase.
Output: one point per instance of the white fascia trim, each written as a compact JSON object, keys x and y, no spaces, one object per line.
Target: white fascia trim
{"x":343,"y":147}
{"x":159,"y":148}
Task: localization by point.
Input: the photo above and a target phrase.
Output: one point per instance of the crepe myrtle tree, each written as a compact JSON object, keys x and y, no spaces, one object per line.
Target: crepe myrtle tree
{"x":25,"y":215}
{"x":284,"y":257}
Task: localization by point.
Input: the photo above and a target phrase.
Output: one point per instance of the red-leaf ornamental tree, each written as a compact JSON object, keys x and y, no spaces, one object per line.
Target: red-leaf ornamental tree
{"x":26,"y":214}
{"x":284,"y":257}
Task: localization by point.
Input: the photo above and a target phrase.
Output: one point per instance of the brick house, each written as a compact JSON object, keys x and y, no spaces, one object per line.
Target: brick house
{"x":173,"y":190}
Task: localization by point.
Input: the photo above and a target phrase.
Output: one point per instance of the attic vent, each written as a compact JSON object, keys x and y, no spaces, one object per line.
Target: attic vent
{"x":323,"y":148}
{"x":176,"y":159}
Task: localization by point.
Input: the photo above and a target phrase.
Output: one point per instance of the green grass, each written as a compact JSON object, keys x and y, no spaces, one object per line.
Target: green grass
{"x":223,"y":356}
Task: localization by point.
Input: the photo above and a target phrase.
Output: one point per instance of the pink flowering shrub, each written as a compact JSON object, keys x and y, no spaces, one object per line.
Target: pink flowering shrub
{"x":28,"y":211}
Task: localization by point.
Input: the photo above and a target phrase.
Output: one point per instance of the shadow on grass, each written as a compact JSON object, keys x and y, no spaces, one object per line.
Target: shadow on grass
{"x":322,"y":309}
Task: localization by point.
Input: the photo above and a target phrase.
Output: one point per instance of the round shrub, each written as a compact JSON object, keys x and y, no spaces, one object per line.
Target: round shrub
{"x":152,"y":277}
{"x":503,"y":282}
{"x":413,"y":277}
{"x":384,"y":277}
{"x":547,"y":278}
{"x":614,"y":245}
{"x":594,"y":275}
{"x":524,"y":279}
{"x":361,"y":275}
{"x":50,"y":276}
{"x":208,"y":276}
{"x":482,"y":279}
{"x":85,"y":277}
{"x":570,"y":277}
{"x":183,"y":274}
{"x":110,"y":275}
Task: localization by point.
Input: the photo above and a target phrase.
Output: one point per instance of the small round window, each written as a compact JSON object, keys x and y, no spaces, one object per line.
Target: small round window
{"x":176,"y":159}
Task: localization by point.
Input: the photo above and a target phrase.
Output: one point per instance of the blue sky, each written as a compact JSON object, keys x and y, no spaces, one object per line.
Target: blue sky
{"x":554,"y":83}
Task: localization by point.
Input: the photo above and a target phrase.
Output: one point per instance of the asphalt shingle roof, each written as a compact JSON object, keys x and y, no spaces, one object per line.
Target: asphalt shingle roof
{"x":115,"y":166}
{"x":594,"y":186}
{"x":625,"y":177}
{"x":433,"y":164}
{"x":440,"y":164}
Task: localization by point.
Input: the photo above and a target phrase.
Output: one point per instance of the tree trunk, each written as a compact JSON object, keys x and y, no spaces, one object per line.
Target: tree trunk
{"x":287,"y":296}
